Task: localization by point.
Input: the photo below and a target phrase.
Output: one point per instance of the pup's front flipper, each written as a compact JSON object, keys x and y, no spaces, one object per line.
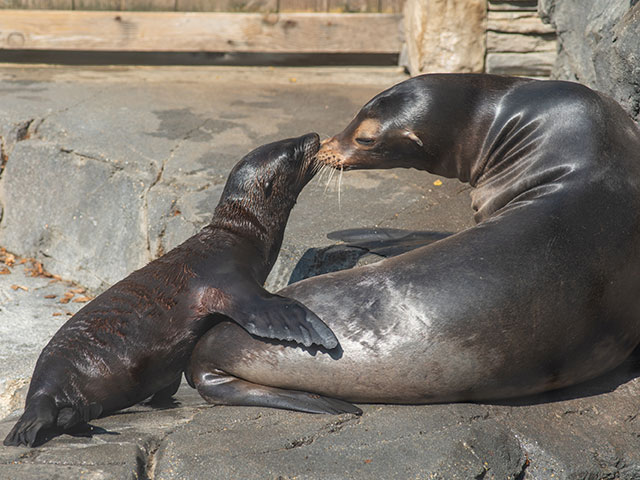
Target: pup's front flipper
{"x":271,"y":316}
{"x":221,"y":389}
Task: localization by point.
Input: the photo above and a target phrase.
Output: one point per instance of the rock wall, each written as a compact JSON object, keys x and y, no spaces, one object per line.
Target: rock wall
{"x":598,"y":45}
{"x":494,"y":36}
{"x":518,"y":43}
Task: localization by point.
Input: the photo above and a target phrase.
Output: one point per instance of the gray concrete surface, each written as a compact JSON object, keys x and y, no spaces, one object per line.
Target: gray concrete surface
{"x":106,"y":168}
{"x":27,"y":321}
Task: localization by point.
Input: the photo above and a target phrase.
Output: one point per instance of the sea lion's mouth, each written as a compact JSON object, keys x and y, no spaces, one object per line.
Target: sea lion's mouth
{"x":330,"y":157}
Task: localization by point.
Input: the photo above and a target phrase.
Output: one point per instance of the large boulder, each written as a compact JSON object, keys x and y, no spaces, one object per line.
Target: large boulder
{"x":599,"y":46}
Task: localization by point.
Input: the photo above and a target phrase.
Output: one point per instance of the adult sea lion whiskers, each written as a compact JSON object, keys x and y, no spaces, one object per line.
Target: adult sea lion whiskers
{"x":134,"y":340}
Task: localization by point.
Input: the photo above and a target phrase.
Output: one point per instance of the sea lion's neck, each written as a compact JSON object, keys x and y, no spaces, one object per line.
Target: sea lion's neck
{"x":248,"y":235}
{"x":456,"y":122}
{"x":235,"y":216}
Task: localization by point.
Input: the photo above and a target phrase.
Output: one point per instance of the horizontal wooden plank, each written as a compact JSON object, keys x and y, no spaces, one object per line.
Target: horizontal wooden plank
{"x":353,"y":6}
{"x":209,"y":32}
{"x":517,"y":22}
{"x":139,"y":5}
{"x":246,"y":6}
{"x":518,"y":42}
{"x":537,"y":64}
{"x":98,"y":5}
{"x":303,"y":5}
{"x":147,"y":5}
{"x":391,"y":6}
{"x":37,"y":4}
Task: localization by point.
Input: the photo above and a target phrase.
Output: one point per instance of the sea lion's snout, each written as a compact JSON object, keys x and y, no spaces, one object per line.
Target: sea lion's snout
{"x":331,"y":153}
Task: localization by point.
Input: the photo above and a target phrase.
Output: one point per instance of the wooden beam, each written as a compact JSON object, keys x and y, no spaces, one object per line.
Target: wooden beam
{"x":192,"y":32}
{"x":147,"y":5}
{"x":391,"y":6}
{"x":354,"y":6}
{"x":36,"y":4}
{"x":246,"y":6}
{"x":303,"y":5}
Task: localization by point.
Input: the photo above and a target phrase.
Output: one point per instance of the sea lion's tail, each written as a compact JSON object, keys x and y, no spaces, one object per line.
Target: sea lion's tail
{"x":40,"y":414}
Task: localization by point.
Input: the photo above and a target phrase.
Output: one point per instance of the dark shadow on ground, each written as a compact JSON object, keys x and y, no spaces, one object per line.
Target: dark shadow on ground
{"x":373,"y":243}
{"x":604,"y":383}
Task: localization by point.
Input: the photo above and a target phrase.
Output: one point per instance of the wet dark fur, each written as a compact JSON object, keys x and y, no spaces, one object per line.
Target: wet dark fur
{"x":134,"y":340}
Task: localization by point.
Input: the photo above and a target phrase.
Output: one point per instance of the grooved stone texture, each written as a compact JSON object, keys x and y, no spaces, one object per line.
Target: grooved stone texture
{"x":599,"y":46}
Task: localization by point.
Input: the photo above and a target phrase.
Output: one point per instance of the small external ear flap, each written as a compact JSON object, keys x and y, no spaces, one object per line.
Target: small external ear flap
{"x":414,"y":137}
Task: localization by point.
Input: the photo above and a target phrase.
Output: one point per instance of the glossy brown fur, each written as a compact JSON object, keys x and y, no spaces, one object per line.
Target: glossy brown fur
{"x":134,"y":340}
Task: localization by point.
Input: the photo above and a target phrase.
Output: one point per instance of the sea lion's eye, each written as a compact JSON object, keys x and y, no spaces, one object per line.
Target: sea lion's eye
{"x":367,"y":142}
{"x":267,"y":187}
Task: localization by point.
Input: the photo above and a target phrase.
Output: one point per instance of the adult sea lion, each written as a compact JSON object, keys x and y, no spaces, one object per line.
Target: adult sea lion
{"x":542,"y":293}
{"x":134,"y":340}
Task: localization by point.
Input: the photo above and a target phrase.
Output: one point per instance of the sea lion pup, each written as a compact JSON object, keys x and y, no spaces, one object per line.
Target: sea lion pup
{"x":134,"y":340}
{"x":543,"y":293}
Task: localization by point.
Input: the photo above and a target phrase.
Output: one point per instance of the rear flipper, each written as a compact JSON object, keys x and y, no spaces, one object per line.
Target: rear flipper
{"x":42,"y":416}
{"x":222,"y":389}
{"x":164,"y":397}
{"x":360,"y":246}
{"x":387,"y":242}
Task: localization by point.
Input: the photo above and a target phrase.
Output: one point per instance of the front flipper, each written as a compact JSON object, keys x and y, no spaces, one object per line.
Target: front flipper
{"x":222,"y":389}
{"x":271,"y":316}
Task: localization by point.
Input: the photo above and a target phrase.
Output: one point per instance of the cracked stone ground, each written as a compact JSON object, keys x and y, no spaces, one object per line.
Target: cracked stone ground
{"x":104,"y":169}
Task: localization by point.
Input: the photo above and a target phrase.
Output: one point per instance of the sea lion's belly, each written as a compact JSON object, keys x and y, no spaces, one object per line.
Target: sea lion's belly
{"x":506,"y":308}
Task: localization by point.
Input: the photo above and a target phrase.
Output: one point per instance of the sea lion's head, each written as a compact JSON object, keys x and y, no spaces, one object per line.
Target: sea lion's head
{"x":271,"y":177}
{"x":382,"y":135}
{"x":263,"y":187}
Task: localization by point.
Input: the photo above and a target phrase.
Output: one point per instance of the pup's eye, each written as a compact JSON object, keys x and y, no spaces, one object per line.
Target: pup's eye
{"x":365,"y":141}
{"x":268,"y":187}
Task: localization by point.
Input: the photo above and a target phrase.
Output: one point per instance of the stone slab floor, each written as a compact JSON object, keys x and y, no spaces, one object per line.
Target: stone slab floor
{"x":104,"y":169}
